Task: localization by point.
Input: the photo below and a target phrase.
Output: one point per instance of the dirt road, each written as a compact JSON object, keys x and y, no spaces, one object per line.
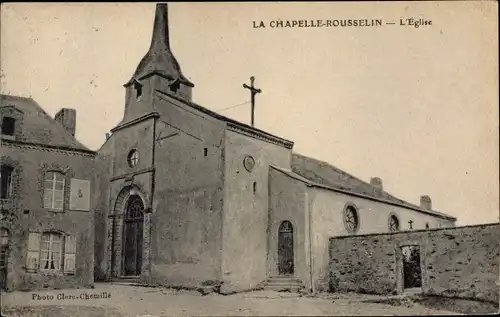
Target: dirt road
{"x":124,"y":300}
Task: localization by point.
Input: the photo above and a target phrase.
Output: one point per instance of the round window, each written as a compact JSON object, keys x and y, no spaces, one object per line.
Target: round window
{"x":393,"y":223}
{"x":351,"y":219}
{"x":249,"y":163}
{"x":133,"y":158}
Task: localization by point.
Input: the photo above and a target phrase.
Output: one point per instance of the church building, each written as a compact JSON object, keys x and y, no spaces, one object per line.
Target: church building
{"x":184,"y":196}
{"x":178,"y":195}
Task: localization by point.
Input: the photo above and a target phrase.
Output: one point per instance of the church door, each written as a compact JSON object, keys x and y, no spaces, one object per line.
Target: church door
{"x":285,"y":248}
{"x":132,"y":237}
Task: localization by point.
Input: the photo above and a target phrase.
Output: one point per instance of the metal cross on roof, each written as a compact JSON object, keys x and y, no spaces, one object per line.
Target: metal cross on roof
{"x":253,"y":92}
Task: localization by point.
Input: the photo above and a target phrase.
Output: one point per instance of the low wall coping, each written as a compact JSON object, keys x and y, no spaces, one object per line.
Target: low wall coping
{"x":412,"y":231}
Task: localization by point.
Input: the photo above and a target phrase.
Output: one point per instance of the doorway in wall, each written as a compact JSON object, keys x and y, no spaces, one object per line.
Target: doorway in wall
{"x":285,"y":249}
{"x":412,"y":271}
{"x":132,"y":237}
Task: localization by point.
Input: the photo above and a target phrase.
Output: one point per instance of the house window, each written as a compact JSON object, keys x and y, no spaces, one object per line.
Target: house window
{"x":393,"y":223}
{"x":4,"y":247}
{"x":8,"y":125}
{"x":133,"y":158}
{"x":51,"y":252}
{"x":254,"y":187}
{"x":6,"y":182}
{"x":54,"y":191}
{"x":427,"y":225}
{"x":351,"y":218}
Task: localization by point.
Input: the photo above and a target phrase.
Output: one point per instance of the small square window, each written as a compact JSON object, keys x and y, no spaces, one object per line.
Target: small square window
{"x":8,"y":125}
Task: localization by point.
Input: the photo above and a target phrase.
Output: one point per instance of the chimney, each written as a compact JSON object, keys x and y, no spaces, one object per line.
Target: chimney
{"x":425,"y":202}
{"x":67,"y":117}
{"x":376,"y":182}
{"x":108,"y":135}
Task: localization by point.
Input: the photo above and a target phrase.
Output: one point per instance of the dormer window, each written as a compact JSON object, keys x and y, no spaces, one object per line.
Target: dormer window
{"x":174,"y":85}
{"x":138,"y":90}
{"x":8,"y":126}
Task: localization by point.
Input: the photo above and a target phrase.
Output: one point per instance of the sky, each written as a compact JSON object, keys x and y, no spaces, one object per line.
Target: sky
{"x":417,"y":107}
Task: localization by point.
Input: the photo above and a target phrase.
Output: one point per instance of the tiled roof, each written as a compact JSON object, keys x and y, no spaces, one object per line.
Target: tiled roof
{"x":39,"y":127}
{"x":232,"y":124}
{"x":323,"y":173}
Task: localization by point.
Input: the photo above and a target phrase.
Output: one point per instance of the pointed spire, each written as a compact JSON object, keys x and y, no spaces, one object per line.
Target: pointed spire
{"x":159,"y":58}
{"x":161,"y":37}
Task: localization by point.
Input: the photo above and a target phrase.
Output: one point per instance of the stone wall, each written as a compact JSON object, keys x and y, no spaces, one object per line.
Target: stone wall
{"x":26,"y":213}
{"x":373,"y":217}
{"x":101,"y":205}
{"x":455,"y":262}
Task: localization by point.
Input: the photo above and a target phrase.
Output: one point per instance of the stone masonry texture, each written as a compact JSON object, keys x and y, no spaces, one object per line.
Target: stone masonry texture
{"x":455,"y":262}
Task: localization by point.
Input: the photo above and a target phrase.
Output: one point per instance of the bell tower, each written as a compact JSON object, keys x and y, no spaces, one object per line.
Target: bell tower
{"x":158,"y":69}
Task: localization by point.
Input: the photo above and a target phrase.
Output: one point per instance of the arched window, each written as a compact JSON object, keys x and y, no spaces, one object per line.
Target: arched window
{"x":54,"y":191}
{"x":393,"y":223}
{"x":135,"y":208}
{"x":351,"y":218}
{"x":286,"y":226}
{"x":6,"y":182}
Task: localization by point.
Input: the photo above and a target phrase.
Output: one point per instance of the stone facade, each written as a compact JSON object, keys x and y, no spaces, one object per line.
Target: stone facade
{"x":25,"y":214}
{"x":455,"y":262}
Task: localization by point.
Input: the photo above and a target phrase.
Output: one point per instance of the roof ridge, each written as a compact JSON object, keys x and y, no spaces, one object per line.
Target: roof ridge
{"x":227,"y":119}
{"x":403,"y":204}
{"x":336,"y":168}
{"x":17,"y":97}
{"x":386,"y":196}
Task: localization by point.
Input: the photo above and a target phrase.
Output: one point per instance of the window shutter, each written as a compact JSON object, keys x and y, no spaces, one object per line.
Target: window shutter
{"x":69,"y":254}
{"x":32,"y":259}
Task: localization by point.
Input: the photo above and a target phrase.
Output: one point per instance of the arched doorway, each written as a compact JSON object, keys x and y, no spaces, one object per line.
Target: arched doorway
{"x":285,"y":248}
{"x":132,"y":236}
{"x":4,"y":252}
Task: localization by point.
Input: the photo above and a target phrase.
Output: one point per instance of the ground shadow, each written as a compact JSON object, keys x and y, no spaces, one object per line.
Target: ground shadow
{"x":53,"y":310}
{"x":457,"y":305}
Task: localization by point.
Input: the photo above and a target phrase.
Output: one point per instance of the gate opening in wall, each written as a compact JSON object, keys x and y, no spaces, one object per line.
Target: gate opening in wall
{"x":412,"y":271}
